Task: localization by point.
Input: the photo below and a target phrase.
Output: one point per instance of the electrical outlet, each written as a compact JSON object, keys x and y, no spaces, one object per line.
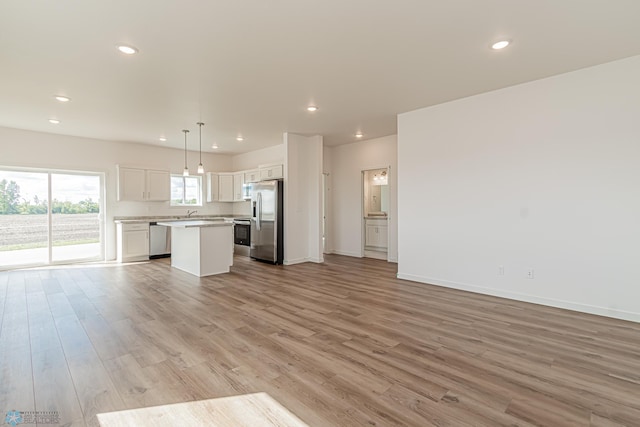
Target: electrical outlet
{"x":530,"y":273}
{"x":501,"y":270}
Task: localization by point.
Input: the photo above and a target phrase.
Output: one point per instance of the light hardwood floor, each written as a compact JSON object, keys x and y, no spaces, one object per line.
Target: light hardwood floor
{"x":343,"y":343}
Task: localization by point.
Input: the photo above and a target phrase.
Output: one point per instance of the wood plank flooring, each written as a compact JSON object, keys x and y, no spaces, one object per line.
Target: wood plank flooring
{"x":342,"y":343}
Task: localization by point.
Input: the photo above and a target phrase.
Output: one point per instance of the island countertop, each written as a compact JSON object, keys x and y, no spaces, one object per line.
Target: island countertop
{"x":196,"y":223}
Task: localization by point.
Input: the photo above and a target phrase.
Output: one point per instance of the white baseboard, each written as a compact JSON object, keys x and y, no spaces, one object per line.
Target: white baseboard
{"x":347,"y":253}
{"x":358,"y":255}
{"x":301,"y":260}
{"x":295,"y":261}
{"x":583,"y":308}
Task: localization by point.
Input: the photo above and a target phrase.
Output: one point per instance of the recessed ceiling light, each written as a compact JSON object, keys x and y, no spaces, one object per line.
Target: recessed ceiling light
{"x":54,"y":121}
{"x":162,"y":138}
{"x":214,"y":146}
{"x":62,"y":98}
{"x":359,"y":135}
{"x":312,"y":108}
{"x":239,"y":138}
{"x":500,"y":45}
{"x":127,"y":50}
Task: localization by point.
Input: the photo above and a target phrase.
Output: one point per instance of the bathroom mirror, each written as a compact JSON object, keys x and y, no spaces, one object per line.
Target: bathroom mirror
{"x":376,"y":193}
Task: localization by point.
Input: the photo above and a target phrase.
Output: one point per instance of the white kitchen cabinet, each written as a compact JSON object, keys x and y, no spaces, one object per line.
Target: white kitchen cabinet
{"x":132,"y":242}
{"x":264,"y":173}
{"x":220,"y":187}
{"x":212,"y":187}
{"x":376,"y":233}
{"x":252,"y":176}
{"x":158,"y":185}
{"x":230,"y":186}
{"x":225,"y":187}
{"x":143,"y":184}
{"x":271,"y":172}
{"x":238,"y":183}
{"x":131,"y":184}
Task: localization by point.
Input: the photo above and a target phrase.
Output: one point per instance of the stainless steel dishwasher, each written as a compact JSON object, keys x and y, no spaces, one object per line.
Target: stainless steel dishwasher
{"x":159,"y":241}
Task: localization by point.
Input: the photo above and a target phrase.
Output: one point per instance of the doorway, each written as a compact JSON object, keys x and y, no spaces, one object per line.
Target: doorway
{"x":325,"y":212}
{"x":49,"y":217}
{"x":375,"y":213}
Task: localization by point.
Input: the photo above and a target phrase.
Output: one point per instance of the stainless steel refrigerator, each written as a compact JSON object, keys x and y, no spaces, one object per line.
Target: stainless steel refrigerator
{"x":267,"y":222}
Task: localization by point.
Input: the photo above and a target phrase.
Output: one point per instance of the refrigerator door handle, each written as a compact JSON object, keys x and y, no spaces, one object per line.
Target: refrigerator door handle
{"x":259,"y":216}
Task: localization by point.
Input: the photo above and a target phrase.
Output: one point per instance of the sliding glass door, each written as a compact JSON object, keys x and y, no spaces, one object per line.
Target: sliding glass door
{"x":24,"y":223}
{"x":75,"y":217}
{"x":49,"y":217}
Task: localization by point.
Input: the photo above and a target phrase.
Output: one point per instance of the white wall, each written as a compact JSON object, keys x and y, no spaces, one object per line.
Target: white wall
{"x":347,"y":163}
{"x":544,"y":175}
{"x":21,"y":148}
{"x":303,"y":198}
{"x":253,"y":159}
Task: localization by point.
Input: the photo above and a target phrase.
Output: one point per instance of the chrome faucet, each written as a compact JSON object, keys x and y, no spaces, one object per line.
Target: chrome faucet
{"x":189,"y":213}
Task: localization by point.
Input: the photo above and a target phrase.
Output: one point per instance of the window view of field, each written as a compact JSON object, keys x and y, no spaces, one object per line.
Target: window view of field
{"x":30,"y":231}
{"x":24,"y":219}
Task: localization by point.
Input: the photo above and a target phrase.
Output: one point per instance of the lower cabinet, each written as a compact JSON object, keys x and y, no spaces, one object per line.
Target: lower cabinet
{"x":376,"y":234}
{"x":132,"y":242}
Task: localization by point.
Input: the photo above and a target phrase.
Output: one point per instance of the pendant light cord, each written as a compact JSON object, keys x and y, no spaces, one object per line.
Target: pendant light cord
{"x":200,"y":124}
{"x":185,"y":147}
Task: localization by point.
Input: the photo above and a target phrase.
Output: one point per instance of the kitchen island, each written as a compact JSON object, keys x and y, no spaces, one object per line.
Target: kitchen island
{"x":201,"y":247}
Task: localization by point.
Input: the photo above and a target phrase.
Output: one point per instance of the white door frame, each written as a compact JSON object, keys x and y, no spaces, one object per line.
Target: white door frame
{"x":363,"y":226}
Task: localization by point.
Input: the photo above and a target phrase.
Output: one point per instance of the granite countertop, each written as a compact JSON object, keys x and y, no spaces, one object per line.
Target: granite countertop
{"x":188,"y":223}
{"x":143,"y":219}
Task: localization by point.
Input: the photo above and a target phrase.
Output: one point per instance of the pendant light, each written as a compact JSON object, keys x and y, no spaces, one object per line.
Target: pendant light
{"x":200,"y":167}
{"x":186,"y":168}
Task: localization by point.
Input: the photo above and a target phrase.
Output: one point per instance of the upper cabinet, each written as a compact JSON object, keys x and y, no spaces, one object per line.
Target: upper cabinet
{"x":225,"y":187}
{"x":264,"y":173}
{"x":143,"y":184}
{"x":220,"y":187}
{"x":252,"y":176}
{"x":158,"y":185}
{"x":131,"y":184}
{"x":238,"y":187}
{"x":212,"y":187}
{"x":271,"y":172}
{"x":230,"y":186}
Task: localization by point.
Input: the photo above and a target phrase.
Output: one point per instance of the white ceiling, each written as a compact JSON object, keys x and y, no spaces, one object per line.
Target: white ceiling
{"x":251,"y":67}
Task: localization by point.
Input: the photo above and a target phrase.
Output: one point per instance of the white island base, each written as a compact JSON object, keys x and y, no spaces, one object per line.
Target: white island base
{"x":202,"y":248}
